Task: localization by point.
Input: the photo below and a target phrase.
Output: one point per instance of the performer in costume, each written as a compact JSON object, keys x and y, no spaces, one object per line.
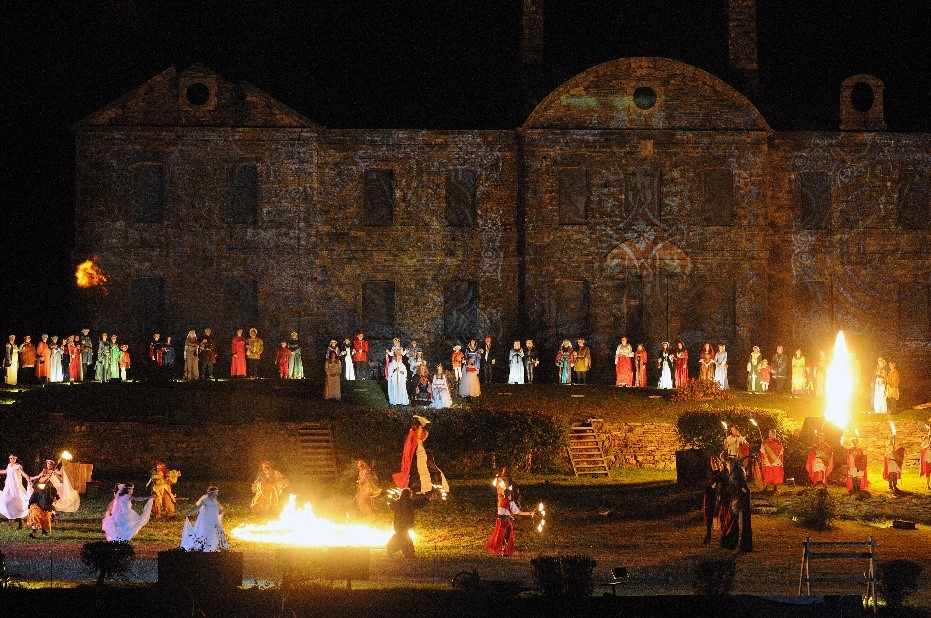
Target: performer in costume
{"x":736,"y":522}
{"x":472,"y":352}
{"x":640,"y":366}
{"x":798,"y":374}
{"x":267,"y":488}
{"x":423,"y":390}
{"x":682,"y":365}
{"x":820,"y":373}
{"x":772,"y":461}
{"x":156,"y":349}
{"x":405,"y":512}
{"x":711,"y":501}
{"x":780,"y":367}
{"x":11,"y":361}
{"x":893,"y":463}
{"x":879,"y":386}
{"x":207,"y":533}
{"x":419,"y":471}
{"x":583,"y":362}
{"x":893,"y":381}
{"x":73,"y":351}
{"x":161,"y":479}
{"x":332,"y":370}
{"x":924,"y":461}
{"x":623,"y":364}
{"x":720,"y":367}
{"x":439,"y":387}
{"x":488,"y":362}
{"x":41,"y":507}
{"x":55,"y":372}
{"x":396,"y":348}
{"x":667,"y":366}
{"x":102,"y":367}
{"x":43,"y":356}
{"x":501,"y":541}
{"x":122,"y":522}
{"x":458,"y":360}
{"x":417,"y":364}
{"x":208,"y":355}
{"x":736,"y":446}
{"x":531,"y":360}
{"x":360,"y":356}
{"x":820,"y":462}
{"x":125,"y":363}
{"x":255,"y":347}
{"x":706,"y":362}
{"x":345,"y":353}
{"x":238,"y":355}
{"x":766,"y":374}
{"x":754,"y":383}
{"x":86,"y":345}
{"x":397,"y":381}
{"x":14,"y":500}
{"x":168,"y":358}
{"x":116,"y":356}
{"x":367,"y":488}
{"x":469,"y":386}
{"x":295,"y":363}
{"x":565,"y":360}
{"x":283,"y":360}
{"x":516,"y":364}
{"x":191,"y":351}
{"x":68,"y":500}
{"x":856,"y":479}
{"x":27,"y":361}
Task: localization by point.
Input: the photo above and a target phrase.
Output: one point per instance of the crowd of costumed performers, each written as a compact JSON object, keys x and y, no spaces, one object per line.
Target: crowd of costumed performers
{"x":36,"y":499}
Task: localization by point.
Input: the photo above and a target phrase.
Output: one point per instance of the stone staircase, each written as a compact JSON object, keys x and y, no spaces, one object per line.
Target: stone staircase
{"x":317,"y":453}
{"x":585,"y":450}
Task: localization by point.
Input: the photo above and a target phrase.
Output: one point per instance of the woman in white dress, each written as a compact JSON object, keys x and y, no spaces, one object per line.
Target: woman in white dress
{"x":68,"y":498}
{"x":516,"y":364}
{"x":55,"y":373}
{"x":122,"y":522}
{"x":346,"y":354}
{"x":879,"y":387}
{"x":469,"y":386}
{"x":207,"y":533}
{"x":439,"y":388}
{"x":397,"y":381}
{"x":14,"y":500}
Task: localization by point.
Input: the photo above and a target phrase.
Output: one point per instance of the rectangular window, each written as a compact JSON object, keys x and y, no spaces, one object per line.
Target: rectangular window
{"x":241,"y":302}
{"x":244,"y":195}
{"x":460,"y":310}
{"x":149,"y":193}
{"x":461,"y":185}
{"x":914,"y":207}
{"x":378,"y":309}
{"x":573,"y":195}
{"x":914,"y":311}
{"x":148,"y":298}
{"x":571,"y":309}
{"x":378,"y":189}
{"x":643,"y":195}
{"x":717,"y":206}
{"x":814,"y":194}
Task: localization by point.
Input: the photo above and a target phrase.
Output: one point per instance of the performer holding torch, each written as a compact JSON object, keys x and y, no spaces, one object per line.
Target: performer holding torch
{"x":501,"y":541}
{"x":893,"y":461}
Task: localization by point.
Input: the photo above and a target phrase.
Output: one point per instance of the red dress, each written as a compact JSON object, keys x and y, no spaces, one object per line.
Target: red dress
{"x":772,"y":462}
{"x":624,"y":370}
{"x":74,"y":363}
{"x":501,"y":541}
{"x":682,"y":368}
{"x":283,"y":359}
{"x":238,"y":364}
{"x":640,"y":360}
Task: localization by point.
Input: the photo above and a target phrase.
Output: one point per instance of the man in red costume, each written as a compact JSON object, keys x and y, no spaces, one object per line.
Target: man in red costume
{"x":820,"y":462}
{"x":501,"y":541}
{"x":892,"y":463}
{"x":360,"y":356}
{"x":682,"y":365}
{"x":43,"y":359}
{"x":771,"y":461}
{"x":418,"y":471}
{"x":856,"y":467}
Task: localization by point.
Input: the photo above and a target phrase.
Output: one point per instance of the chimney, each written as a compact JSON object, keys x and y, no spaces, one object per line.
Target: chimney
{"x":741,"y":45}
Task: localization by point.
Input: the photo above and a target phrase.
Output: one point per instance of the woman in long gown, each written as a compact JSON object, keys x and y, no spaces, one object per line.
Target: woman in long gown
{"x":720,"y":367}
{"x":469,"y":386}
{"x":346,"y":354}
{"x":115,"y":355}
{"x":666,"y":362}
{"x":565,"y":360}
{"x":207,"y":533}
{"x":14,"y":500}
{"x":397,"y":382}
{"x":624,"y":364}
{"x":332,"y":369}
{"x":238,"y":353}
{"x":879,"y":387}
{"x":640,"y":366}
{"x":55,"y":373}
{"x":706,"y":362}
{"x":121,"y":522}
{"x":439,"y":388}
{"x":682,"y":365}
{"x":798,"y":374}
{"x":295,"y":364}
{"x":516,"y":364}
{"x":68,"y":499}
{"x":11,"y":361}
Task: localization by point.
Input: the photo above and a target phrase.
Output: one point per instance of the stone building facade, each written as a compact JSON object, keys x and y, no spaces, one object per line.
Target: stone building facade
{"x":643,"y":197}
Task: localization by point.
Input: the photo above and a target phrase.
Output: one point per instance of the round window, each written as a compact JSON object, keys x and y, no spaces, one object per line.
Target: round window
{"x":644,"y":97}
{"x":197,"y":94}
{"x":861,"y":96}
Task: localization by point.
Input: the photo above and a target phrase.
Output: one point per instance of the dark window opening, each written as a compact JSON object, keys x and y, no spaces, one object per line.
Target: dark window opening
{"x":149,"y":193}
{"x":242,"y":303}
{"x":378,"y":309}
{"x":148,"y":306}
{"x":461,"y":185}
{"x":244,"y":195}
{"x":914,"y":208}
{"x":460,"y":310}
{"x":197,"y":94}
{"x":378,"y":206}
{"x":572,"y":195}
{"x":862,"y":97}
{"x":717,"y":205}
{"x":571,"y":309}
{"x":815,"y":194}
{"x":644,"y":97}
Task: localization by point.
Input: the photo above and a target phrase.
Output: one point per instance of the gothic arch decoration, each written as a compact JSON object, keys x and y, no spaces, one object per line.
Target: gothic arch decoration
{"x":646,"y":93}
{"x":648,"y":258}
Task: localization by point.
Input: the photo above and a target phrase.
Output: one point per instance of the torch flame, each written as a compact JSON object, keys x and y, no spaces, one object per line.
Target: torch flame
{"x":300,"y":527}
{"x":892,"y":427}
{"x":838,"y":385}
{"x":89,"y":275}
{"x":67,"y":456}
{"x":724,"y":424}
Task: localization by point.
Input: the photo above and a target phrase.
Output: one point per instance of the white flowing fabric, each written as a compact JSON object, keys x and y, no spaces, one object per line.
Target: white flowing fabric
{"x":516,"y":375}
{"x":397,"y":384}
{"x":665,"y":378}
{"x":469,"y":386}
{"x":123,"y":523}
{"x":350,"y":369}
{"x":68,"y":498}
{"x":14,"y":501}
{"x":441,"y":395}
{"x":207,"y":533}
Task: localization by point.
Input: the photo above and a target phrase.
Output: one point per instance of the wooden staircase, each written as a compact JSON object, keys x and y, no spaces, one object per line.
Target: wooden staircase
{"x":317,"y":453}
{"x":585,"y":451}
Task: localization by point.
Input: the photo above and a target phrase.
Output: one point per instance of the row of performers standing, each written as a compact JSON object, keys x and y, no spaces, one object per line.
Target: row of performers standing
{"x":631,"y":366}
{"x":70,"y":359}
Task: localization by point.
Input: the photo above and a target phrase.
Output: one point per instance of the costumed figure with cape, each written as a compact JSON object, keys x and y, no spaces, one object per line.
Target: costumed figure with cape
{"x":122,"y":522}
{"x":68,"y":500}
{"x":207,"y":533}
{"x":856,"y":479}
{"x":14,"y":501}
{"x":820,"y":462}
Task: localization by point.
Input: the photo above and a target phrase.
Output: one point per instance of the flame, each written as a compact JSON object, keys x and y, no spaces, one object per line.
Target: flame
{"x":892,"y":427}
{"x":66,"y":456}
{"x":89,"y":275}
{"x":300,"y":527}
{"x":838,"y":385}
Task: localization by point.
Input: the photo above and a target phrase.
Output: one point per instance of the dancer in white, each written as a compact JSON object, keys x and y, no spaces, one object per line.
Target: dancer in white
{"x":14,"y":500}
{"x":439,"y":388}
{"x":397,"y":381}
{"x":69,"y":500}
{"x":516,"y":364}
{"x":207,"y":533}
{"x":121,"y":522}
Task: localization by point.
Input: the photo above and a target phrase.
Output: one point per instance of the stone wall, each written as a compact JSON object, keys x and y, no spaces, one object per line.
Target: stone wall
{"x":641,"y":445}
{"x":875,"y":436}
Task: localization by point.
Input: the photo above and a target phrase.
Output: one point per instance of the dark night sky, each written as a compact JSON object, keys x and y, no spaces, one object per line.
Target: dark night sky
{"x":394,"y":63}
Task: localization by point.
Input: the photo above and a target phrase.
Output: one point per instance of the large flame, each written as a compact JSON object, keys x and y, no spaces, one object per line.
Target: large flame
{"x":89,"y":274}
{"x":300,"y":527}
{"x":838,"y":385}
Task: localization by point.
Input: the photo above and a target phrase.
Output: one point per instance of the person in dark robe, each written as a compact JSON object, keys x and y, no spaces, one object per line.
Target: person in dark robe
{"x":711,"y":502}
{"x":531,"y":360}
{"x":736,"y":528}
{"x":422,"y":390}
{"x":86,"y":346}
{"x":41,"y":507}
{"x":405,"y":513}
{"x":488,"y":362}
{"x":208,"y":355}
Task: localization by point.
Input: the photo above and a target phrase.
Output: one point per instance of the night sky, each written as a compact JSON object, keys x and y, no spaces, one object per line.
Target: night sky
{"x":394,"y":63}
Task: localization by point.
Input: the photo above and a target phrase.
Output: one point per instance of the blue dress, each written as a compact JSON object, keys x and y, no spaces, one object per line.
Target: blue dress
{"x":720,"y":369}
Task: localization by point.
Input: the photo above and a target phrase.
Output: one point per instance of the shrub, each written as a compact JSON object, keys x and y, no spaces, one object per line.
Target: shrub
{"x":107,"y":558}
{"x":714,"y":576}
{"x":702,"y":428}
{"x":814,"y":509}
{"x":564,"y":577}
{"x":702,"y":390}
{"x":897,"y":580}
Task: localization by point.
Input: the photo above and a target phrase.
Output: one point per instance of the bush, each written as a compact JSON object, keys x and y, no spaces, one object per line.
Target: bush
{"x":702,"y":390}
{"x":714,"y":577}
{"x":107,"y":558}
{"x":564,"y":577}
{"x":897,"y":580}
{"x":815,"y":509}
{"x":702,"y":428}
